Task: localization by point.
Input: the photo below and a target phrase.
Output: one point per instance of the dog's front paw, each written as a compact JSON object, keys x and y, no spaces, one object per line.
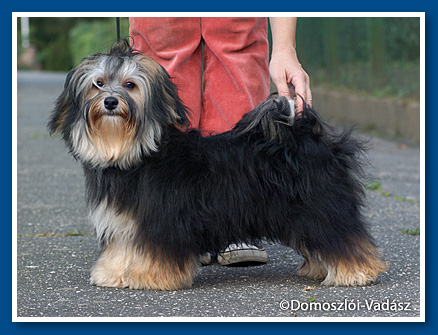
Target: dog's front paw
{"x":106,"y":278}
{"x":312,"y":269}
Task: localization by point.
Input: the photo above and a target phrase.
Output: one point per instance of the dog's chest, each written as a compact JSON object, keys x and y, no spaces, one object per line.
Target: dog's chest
{"x":110,"y":224}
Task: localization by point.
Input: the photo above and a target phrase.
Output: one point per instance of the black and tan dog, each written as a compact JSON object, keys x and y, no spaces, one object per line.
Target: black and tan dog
{"x":160,"y":195}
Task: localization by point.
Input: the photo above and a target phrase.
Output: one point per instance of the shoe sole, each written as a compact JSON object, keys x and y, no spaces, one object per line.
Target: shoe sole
{"x":243,"y":257}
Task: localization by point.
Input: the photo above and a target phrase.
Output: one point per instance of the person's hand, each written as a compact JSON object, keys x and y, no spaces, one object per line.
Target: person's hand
{"x":285,"y":69}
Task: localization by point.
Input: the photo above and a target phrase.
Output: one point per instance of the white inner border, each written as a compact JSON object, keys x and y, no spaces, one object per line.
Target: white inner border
{"x":421,"y":318}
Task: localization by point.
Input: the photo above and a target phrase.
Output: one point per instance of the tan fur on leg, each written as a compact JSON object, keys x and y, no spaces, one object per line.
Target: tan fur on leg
{"x":110,"y":267}
{"x":122,"y":265}
{"x":312,"y":268}
{"x":361,"y":270}
{"x":160,"y":273}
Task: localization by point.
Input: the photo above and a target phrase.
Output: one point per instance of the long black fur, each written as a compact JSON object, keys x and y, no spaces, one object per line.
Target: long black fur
{"x":199,"y":194}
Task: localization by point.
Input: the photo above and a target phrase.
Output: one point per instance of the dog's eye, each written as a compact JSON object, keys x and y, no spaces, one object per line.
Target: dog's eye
{"x":129,"y":85}
{"x":99,"y":83}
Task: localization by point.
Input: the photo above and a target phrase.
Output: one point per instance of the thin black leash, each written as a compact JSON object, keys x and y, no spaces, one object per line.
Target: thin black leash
{"x":118,"y":29}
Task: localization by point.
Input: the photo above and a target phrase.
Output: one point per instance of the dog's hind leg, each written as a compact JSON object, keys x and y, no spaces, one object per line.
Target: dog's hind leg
{"x":358,"y":265}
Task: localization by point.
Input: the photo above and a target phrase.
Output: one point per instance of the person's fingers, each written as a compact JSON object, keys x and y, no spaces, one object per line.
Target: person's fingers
{"x":283,"y":89}
{"x":300,"y":92}
{"x":309,"y":93}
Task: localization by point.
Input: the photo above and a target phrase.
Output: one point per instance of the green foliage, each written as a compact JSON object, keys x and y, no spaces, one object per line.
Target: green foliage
{"x":373,"y":185}
{"x":56,"y":55}
{"x":48,"y":35}
{"x":97,"y":36}
{"x":376,"y":45}
{"x":375,"y":55}
{"x":411,"y":232}
{"x":63,"y":41}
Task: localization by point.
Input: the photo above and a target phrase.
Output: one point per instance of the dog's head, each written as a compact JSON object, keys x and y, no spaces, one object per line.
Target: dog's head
{"x":115,"y":106}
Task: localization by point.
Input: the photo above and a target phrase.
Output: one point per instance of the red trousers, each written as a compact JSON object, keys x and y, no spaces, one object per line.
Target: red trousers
{"x":233,"y":53}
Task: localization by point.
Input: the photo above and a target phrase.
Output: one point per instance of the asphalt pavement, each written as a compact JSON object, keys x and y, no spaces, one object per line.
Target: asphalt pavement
{"x":56,"y":245}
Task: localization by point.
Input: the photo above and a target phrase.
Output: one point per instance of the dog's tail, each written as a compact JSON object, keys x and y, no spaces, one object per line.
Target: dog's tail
{"x":273,"y":126}
{"x":276,"y":120}
{"x":272,"y":119}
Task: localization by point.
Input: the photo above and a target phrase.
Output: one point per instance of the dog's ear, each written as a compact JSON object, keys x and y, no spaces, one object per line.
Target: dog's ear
{"x":171,"y":100}
{"x":165,"y":100}
{"x":62,"y":105}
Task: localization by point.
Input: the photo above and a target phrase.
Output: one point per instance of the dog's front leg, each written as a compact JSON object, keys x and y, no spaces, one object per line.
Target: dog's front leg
{"x":110,"y":267}
{"x":122,"y":265}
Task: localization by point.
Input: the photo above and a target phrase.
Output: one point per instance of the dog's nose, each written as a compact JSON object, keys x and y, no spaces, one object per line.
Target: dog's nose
{"x":110,"y":103}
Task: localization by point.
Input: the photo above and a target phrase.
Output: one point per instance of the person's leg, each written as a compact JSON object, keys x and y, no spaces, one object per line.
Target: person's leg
{"x":175,"y":43}
{"x":236,"y":75}
{"x":236,"y":79}
{"x":236,"y":71}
